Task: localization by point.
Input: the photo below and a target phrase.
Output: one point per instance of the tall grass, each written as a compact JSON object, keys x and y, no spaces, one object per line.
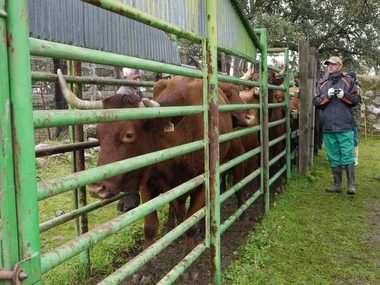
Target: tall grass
{"x":313,"y":237}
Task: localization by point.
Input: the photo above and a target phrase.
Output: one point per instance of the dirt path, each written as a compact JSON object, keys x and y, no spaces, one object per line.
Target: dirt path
{"x":232,"y":239}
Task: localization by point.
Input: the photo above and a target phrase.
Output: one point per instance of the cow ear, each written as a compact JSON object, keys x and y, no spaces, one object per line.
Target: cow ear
{"x":169,"y":127}
{"x":167,"y":124}
{"x":172,"y":123}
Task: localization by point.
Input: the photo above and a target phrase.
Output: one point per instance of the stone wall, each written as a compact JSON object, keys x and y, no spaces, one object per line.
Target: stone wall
{"x":371,"y":98}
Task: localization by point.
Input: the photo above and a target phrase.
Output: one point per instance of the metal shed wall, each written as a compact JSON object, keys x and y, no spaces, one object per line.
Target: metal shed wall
{"x":90,"y":27}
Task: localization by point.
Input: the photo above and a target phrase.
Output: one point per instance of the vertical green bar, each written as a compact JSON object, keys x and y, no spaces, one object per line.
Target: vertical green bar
{"x":287,"y":118}
{"x":80,"y":198}
{"x":265,"y":116}
{"x":214,"y":209}
{"x":8,"y":224}
{"x":206,"y":141}
{"x":22,"y":130}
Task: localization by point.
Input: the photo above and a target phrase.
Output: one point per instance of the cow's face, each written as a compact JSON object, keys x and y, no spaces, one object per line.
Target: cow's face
{"x":241,"y":118}
{"x":118,"y":141}
{"x":279,"y":95}
{"x":274,"y":78}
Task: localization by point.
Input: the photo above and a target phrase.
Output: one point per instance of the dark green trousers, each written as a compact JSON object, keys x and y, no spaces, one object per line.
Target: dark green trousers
{"x":339,"y":148}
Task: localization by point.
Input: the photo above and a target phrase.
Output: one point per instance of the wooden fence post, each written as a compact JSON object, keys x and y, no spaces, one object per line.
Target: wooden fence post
{"x":305,"y":107}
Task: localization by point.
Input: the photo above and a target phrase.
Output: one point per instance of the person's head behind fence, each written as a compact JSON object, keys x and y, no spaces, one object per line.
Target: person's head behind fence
{"x":131,"y":73}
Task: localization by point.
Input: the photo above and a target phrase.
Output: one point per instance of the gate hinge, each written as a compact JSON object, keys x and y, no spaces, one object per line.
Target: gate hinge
{"x":27,"y":270}
{"x":16,"y":276}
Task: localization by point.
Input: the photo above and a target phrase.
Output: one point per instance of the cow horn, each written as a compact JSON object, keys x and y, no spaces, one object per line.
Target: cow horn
{"x":196,"y":62}
{"x":281,"y":73}
{"x":150,"y":103}
{"x":241,"y":73}
{"x":247,"y":75}
{"x":72,"y":99}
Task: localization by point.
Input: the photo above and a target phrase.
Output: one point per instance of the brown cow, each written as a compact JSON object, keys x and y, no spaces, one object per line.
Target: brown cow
{"x":252,"y":96}
{"x":240,"y":118}
{"x":294,"y":110}
{"x":294,"y":113}
{"x":127,"y":139}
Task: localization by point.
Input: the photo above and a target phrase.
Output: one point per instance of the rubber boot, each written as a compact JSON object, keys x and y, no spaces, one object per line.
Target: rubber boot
{"x":337,"y":173}
{"x":350,"y":171}
{"x":356,"y":154}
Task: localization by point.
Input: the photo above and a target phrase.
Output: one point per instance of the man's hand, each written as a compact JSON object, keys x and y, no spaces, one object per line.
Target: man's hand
{"x":330,"y":93}
{"x":340,"y":94}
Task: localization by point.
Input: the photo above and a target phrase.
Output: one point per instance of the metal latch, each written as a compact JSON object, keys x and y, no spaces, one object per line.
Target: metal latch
{"x":16,"y":276}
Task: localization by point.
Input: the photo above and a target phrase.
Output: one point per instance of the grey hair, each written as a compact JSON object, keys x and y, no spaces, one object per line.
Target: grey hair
{"x":129,"y":71}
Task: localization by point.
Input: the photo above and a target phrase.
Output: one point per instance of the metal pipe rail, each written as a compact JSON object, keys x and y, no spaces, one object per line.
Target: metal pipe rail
{"x":23,"y":191}
{"x":66,"y":148}
{"x":60,"y":254}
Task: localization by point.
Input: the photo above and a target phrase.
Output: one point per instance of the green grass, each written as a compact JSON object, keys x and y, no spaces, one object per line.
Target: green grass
{"x":106,"y":255}
{"x":313,"y":237}
{"x":308,"y":237}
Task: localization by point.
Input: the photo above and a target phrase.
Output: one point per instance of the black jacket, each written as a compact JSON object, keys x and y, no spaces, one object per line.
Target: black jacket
{"x":337,"y":114}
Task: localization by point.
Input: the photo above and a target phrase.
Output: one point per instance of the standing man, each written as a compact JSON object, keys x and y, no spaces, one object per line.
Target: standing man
{"x":132,"y":200}
{"x":336,"y":94}
{"x":357,"y":111}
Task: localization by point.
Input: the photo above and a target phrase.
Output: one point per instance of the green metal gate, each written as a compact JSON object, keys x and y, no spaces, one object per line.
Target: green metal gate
{"x":22,"y":261}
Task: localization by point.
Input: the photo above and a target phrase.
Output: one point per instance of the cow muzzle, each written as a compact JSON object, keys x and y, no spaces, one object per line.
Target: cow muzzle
{"x":100,"y":191}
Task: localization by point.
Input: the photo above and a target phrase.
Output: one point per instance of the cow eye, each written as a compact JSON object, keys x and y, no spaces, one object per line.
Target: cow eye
{"x":130,"y":136}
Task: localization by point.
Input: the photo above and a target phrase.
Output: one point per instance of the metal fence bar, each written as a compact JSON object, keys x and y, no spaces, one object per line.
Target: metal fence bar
{"x":183,"y":264}
{"x":9,"y":239}
{"x":264,"y":138}
{"x":25,"y":120}
{"x":234,"y":217}
{"x":129,"y":268}
{"x":43,"y":119}
{"x":53,"y":258}
{"x":50,"y":77}
{"x":23,"y":136}
{"x":138,"y":15}
{"x":45,"y":226}
{"x":60,"y":185}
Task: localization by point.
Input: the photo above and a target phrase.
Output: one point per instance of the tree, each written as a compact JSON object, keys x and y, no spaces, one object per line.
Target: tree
{"x":348,"y":29}
{"x":189,"y":49}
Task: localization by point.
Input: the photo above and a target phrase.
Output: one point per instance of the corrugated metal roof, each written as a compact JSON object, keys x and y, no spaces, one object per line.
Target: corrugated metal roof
{"x":81,"y":24}
{"x":191,"y":16}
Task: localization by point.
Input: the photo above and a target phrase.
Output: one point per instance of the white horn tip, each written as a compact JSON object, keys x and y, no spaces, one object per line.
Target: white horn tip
{"x":150,"y":103}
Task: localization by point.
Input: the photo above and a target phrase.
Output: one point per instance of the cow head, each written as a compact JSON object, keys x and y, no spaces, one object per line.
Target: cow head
{"x":240,"y":118}
{"x":274,"y":78}
{"x":121,"y":139}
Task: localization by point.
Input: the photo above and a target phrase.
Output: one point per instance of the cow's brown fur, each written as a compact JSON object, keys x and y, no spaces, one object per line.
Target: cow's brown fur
{"x":127,"y":139}
{"x":251,"y":96}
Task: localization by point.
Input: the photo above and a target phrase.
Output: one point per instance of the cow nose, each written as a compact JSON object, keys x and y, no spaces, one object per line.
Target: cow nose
{"x":251,"y":119}
{"x":98,"y":191}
